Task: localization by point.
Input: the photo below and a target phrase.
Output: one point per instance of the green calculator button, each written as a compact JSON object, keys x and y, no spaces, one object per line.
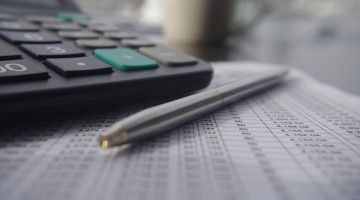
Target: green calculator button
{"x":73,"y":17}
{"x":125,"y":59}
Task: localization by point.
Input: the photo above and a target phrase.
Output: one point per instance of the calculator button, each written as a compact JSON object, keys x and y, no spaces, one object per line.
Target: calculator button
{"x":52,"y":50}
{"x":125,"y":59}
{"x":20,"y":70}
{"x":73,"y":17}
{"x":88,"y":23}
{"x":61,"y":27}
{"x":135,"y":43}
{"x":6,"y":17}
{"x":42,"y":19}
{"x":29,"y":37}
{"x":7,"y":52}
{"x":119,"y":35}
{"x":103,"y":28}
{"x":95,"y":43}
{"x":17,"y":26}
{"x":168,"y":56}
{"x":78,"y":34}
{"x":78,"y":66}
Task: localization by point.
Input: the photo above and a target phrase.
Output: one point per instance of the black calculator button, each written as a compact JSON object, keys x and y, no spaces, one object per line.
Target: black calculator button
{"x":6,"y":17}
{"x":119,"y":35}
{"x":78,"y":35}
{"x":8,"y":52}
{"x":61,"y":27}
{"x":42,"y":19}
{"x":88,"y":23}
{"x":103,"y":28}
{"x":69,"y":67}
{"x":95,"y":43}
{"x":168,"y":56}
{"x":17,"y":26}
{"x":135,"y":43}
{"x":20,"y":70}
{"x":52,"y":50}
{"x":29,"y":37}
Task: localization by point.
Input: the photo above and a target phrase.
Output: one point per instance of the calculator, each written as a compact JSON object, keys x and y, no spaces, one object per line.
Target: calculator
{"x":66,"y":58}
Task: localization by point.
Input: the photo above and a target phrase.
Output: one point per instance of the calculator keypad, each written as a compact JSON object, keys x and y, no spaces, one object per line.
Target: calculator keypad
{"x":71,"y":45}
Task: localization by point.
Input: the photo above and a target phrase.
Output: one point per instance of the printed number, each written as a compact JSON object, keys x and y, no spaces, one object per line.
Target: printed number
{"x":12,"y":67}
{"x":55,"y":49}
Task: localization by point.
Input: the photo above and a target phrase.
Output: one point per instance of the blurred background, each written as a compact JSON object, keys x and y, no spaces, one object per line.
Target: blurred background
{"x":320,"y":37}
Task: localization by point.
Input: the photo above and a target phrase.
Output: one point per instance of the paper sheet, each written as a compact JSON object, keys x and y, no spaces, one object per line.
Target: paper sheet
{"x":300,"y":140}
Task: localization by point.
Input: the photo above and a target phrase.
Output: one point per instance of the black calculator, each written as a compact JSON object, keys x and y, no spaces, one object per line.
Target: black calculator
{"x":67,"y":58}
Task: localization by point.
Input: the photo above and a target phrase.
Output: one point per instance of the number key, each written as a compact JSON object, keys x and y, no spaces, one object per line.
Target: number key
{"x":136,"y":43}
{"x":8,"y":52}
{"x":6,"y":17}
{"x":20,"y":70}
{"x":29,"y":37}
{"x":61,"y":27}
{"x":103,"y":28}
{"x":42,"y":19}
{"x":119,"y":35}
{"x":95,"y":43}
{"x":17,"y":26}
{"x":78,"y":34}
{"x":78,"y":66}
{"x":168,"y":56}
{"x":52,"y":50}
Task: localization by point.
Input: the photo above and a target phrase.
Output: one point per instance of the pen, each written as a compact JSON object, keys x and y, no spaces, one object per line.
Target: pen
{"x":158,"y":119}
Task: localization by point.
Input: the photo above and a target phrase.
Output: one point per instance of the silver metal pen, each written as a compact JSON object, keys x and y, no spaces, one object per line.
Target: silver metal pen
{"x":159,"y":119}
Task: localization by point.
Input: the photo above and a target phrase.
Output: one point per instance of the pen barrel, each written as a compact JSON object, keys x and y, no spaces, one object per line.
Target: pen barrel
{"x":159,"y":119}
{"x":231,"y":93}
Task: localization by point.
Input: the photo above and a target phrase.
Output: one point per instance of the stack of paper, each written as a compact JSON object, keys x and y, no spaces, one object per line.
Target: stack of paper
{"x":300,"y":140}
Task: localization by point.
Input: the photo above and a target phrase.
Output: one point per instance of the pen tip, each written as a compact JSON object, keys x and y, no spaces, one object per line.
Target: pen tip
{"x":104,"y":142}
